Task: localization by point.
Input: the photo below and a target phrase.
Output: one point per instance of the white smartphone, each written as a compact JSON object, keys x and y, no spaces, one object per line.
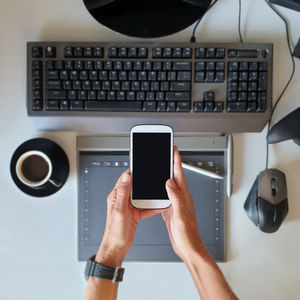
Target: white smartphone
{"x":151,"y":165}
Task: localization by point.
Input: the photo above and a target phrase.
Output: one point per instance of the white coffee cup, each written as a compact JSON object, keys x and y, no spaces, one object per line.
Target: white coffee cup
{"x":31,"y":177}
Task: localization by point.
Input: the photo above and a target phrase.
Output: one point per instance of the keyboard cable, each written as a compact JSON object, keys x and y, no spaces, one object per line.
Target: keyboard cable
{"x":290,"y":79}
{"x":193,"y":38}
{"x":240,"y":15}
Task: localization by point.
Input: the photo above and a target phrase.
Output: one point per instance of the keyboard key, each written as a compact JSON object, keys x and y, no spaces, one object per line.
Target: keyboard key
{"x":263,"y":66}
{"x":167,"y":52}
{"x":200,"y":53}
{"x":112,"y":52}
{"x":98,"y":52}
{"x":220,"y":77}
{"x":59,"y":65}
{"x":220,"y":66}
{"x":52,"y":105}
{"x":37,"y":105}
{"x":177,"y":52}
{"x":210,"y":76}
{"x":187,"y":53}
{"x":50,"y":52}
{"x":253,"y":76}
{"x":177,"y":96}
{"x":171,"y":106}
{"x":132,"y":52}
{"x":199,"y":76}
{"x":53,"y":94}
{"x":123,"y":52}
{"x":159,"y":96}
{"x":68,"y":52}
{"x":208,"y":96}
{"x":243,"y":66}
{"x":76,"y":105}
{"x":183,"y":106}
{"x":232,"y":53}
{"x":198,"y":106}
{"x":210,"y":66}
{"x":78,"y":52}
{"x":233,"y":66}
{"x":262,"y":81}
{"x":184,"y":76}
{"x":180,"y":86}
{"x":142,"y":52}
{"x":87,"y":52}
{"x":157,"y":52}
{"x":252,"y":106}
{"x":121,"y":95}
{"x":113,"y":105}
{"x":182,"y":66}
{"x":220,"y":53}
{"x":64,"y":105}
{"x":37,"y":52}
{"x":236,"y":106}
{"x":140,"y":96}
{"x":50,"y":74}
{"x":219,"y":106}
{"x":200,"y":66}
{"x":262,"y":102}
{"x":53,"y":85}
{"x":161,"y":106}
{"x":37,"y":65}
{"x":149,"y":106}
{"x":130,"y":96}
{"x":150,"y":96}
{"x":208,"y":106}
{"x":210,"y":52}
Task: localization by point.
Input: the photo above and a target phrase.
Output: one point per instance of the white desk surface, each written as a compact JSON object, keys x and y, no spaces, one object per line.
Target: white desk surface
{"x":38,"y":237}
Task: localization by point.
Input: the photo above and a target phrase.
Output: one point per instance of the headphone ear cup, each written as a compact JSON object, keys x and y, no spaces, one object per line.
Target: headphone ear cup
{"x":287,"y":128}
{"x":198,"y":2}
{"x":93,"y":4}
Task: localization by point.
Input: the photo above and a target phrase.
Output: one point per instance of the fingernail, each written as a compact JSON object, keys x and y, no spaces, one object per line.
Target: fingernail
{"x":171,"y":183}
{"x":125,"y":177}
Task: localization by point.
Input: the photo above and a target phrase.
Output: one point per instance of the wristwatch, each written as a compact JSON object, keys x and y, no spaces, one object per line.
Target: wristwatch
{"x":100,"y":271}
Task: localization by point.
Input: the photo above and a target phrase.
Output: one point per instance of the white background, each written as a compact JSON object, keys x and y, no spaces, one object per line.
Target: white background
{"x":38,"y":237}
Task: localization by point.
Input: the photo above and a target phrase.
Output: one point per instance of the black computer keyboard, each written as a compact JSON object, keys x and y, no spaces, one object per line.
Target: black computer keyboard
{"x":230,"y":83}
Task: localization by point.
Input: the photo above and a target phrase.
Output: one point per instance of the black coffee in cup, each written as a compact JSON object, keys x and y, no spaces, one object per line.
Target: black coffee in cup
{"x":35,"y":168}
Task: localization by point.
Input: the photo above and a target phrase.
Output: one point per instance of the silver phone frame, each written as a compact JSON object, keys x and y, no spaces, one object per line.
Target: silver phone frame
{"x":148,"y":203}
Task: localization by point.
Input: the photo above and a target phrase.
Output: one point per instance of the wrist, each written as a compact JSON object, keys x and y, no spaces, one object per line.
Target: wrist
{"x":109,"y":257}
{"x":194,"y":253}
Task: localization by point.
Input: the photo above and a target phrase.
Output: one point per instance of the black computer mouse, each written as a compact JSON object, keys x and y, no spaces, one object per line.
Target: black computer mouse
{"x":267,"y":204}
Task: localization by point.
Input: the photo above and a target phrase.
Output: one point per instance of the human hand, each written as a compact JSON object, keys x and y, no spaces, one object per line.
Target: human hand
{"x":180,"y":217}
{"x":121,"y":222}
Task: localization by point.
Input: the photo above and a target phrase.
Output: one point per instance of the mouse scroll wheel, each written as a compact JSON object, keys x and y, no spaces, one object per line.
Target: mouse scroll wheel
{"x":274,"y":186}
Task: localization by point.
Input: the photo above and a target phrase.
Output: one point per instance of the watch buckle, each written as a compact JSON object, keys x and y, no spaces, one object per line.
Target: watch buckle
{"x":116,"y":273}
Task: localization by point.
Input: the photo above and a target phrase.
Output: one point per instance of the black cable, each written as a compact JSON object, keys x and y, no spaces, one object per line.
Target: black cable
{"x":240,"y":13}
{"x":290,"y":79}
{"x":193,"y":38}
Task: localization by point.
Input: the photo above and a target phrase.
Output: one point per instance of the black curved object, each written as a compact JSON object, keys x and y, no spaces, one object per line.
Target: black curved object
{"x":147,"y":18}
{"x":286,"y":129}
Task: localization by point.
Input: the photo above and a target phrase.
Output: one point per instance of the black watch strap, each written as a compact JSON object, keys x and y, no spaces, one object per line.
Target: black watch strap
{"x":100,"y":271}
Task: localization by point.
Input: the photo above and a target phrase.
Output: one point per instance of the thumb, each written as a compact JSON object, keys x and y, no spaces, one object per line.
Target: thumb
{"x":174,"y":193}
{"x":121,"y":191}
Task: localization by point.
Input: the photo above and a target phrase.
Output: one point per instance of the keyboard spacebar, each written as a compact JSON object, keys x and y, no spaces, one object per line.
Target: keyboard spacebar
{"x":113,"y":105}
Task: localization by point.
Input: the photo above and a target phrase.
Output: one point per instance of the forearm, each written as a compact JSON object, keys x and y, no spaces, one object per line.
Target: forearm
{"x":208,"y":278}
{"x":103,"y":289}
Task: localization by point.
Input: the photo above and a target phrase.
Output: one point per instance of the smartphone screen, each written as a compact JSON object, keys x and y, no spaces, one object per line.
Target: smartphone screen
{"x":151,"y":165}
